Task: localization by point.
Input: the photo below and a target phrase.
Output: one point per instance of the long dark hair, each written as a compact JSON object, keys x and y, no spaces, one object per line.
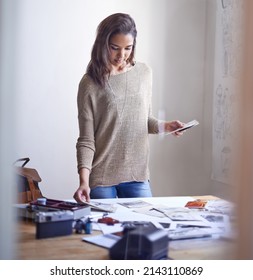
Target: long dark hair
{"x":99,"y":66}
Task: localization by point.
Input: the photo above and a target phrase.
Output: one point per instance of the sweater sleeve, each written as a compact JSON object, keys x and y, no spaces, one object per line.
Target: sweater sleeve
{"x":153,"y":123}
{"x":85,"y":146}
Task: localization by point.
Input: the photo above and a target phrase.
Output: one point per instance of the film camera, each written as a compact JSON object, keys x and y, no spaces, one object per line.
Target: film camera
{"x":141,"y":241}
{"x":55,"y":223}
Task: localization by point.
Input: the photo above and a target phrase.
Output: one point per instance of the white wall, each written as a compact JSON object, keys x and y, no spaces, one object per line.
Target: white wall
{"x":177,"y":164}
{"x":8,"y":231}
{"x":53,"y":48}
{"x":184,"y":166}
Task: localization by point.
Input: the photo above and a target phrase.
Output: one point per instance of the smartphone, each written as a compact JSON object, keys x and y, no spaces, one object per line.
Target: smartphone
{"x":186,"y":126}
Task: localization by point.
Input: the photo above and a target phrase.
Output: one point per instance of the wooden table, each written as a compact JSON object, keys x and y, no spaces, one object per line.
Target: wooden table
{"x":72,"y":247}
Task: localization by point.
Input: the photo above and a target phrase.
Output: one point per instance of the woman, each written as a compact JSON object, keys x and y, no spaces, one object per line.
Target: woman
{"x":114,"y":113}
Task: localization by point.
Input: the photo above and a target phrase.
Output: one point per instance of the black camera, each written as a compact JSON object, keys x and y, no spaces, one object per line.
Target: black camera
{"x":55,"y":223}
{"x":141,"y":242}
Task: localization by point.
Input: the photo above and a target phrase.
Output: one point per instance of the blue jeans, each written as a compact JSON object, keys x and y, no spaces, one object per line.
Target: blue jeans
{"x":122,"y":190}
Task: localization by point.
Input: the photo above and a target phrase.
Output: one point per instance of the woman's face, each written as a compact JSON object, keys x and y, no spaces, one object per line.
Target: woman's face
{"x":121,"y":46}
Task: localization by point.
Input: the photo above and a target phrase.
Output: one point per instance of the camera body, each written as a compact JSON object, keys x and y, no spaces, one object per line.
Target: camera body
{"x":54,"y":223}
{"x":141,"y":242}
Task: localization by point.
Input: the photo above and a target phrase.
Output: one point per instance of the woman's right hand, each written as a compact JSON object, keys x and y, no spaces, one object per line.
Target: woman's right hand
{"x":82,"y":194}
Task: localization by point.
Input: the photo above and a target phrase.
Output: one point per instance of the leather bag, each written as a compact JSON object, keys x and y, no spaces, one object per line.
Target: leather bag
{"x":27,"y":181}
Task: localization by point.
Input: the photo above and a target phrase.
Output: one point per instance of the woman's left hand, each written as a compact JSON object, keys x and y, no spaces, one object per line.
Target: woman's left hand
{"x":173,"y":125}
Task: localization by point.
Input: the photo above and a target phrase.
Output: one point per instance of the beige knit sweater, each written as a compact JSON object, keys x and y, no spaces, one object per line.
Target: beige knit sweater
{"x":114,"y":124}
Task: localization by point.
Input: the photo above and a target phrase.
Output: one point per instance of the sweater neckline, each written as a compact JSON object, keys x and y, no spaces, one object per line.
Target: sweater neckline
{"x":124,"y":73}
